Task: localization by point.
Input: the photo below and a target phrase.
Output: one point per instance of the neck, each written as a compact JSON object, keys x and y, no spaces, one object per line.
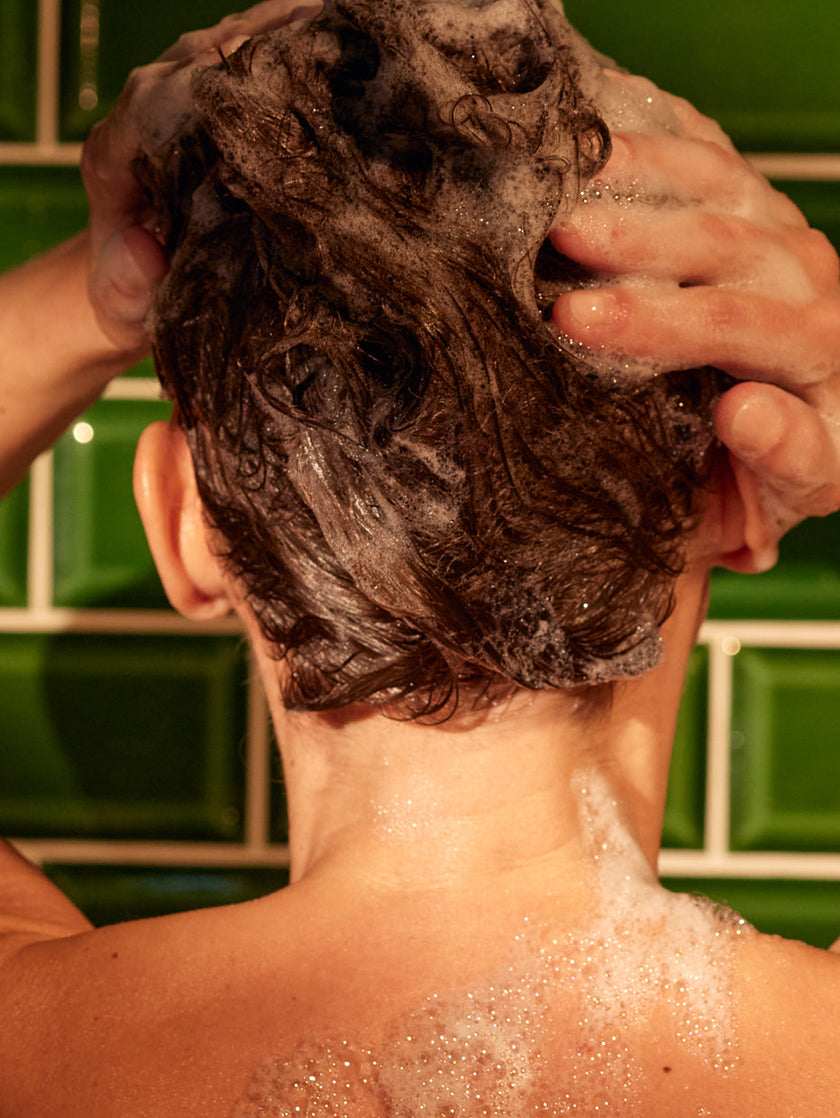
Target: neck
{"x":490,"y":796}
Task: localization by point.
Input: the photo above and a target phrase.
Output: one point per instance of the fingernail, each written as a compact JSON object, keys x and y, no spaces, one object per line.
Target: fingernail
{"x":765,"y":559}
{"x":230,"y":46}
{"x":588,"y":310}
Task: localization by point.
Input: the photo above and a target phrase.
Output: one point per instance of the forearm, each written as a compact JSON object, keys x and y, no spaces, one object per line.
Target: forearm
{"x":54,"y":357}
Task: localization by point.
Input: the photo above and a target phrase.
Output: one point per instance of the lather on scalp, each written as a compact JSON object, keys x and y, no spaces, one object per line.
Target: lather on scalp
{"x":422,"y":492}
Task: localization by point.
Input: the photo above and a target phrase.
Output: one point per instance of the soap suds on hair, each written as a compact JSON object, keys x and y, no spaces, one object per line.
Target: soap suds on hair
{"x":409,"y":475}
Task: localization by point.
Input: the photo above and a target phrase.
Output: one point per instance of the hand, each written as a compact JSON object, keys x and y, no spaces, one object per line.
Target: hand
{"x":705,"y":264}
{"x":126,"y":258}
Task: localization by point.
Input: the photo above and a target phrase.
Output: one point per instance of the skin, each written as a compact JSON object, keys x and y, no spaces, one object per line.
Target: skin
{"x":171,"y":1016}
{"x":74,"y":318}
{"x":740,"y":282}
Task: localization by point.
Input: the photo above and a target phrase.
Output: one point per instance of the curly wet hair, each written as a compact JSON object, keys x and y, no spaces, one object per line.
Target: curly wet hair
{"x":421,"y":492}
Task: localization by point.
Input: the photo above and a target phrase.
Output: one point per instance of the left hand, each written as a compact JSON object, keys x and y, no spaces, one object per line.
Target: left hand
{"x":705,"y":264}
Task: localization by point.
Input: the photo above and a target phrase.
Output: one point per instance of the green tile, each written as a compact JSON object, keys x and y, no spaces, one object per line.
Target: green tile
{"x":145,"y":368}
{"x":103,"y":40}
{"x":110,"y":894}
{"x":820,"y":202}
{"x":18,"y":69}
{"x":805,"y":584}
{"x":767,"y":69}
{"x":14,"y":523}
{"x":685,"y":806}
{"x":785,"y":758}
{"x":279,"y":817}
{"x":101,"y":555}
{"x":39,"y":206}
{"x":122,"y":736}
{"x":805,"y":910}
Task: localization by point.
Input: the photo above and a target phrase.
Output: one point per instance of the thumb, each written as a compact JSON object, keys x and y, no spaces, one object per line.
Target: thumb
{"x":128,"y":266}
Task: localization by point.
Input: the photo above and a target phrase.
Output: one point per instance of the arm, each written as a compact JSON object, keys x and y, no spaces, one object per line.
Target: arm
{"x":74,"y":318}
{"x":708,"y":265}
{"x":56,"y":358}
{"x":31,"y":907}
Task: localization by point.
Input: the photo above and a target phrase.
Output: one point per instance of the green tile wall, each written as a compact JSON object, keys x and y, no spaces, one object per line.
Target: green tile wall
{"x":804,"y":585}
{"x":102,"y":41}
{"x":101,"y":555}
{"x":14,"y":523}
{"x":18,"y":69}
{"x":685,"y":806}
{"x":121,"y":736}
{"x":39,"y":206}
{"x":142,"y":738}
{"x":805,"y":910}
{"x":786,"y":760}
{"x":766,"y":69}
{"x":109,"y":894}
{"x":278,"y":814}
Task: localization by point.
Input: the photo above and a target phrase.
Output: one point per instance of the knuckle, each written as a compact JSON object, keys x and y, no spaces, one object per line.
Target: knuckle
{"x":824,"y":322}
{"x":820,"y":257}
{"x":722,"y":313}
{"x":731,"y":241}
{"x":825,"y":500}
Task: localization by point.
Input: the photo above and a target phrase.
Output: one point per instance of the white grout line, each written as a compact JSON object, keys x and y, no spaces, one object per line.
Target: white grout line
{"x":95,"y":852}
{"x":133,"y":388}
{"x":40,"y":557}
{"x":813,"y":168}
{"x":112,"y":621}
{"x":257,"y":787}
{"x":764,"y":865}
{"x":774,"y":634}
{"x":49,"y":63}
{"x":717,"y":757}
{"x":40,"y":154}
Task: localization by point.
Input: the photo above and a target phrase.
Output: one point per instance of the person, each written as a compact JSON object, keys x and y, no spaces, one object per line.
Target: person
{"x":473,"y":924}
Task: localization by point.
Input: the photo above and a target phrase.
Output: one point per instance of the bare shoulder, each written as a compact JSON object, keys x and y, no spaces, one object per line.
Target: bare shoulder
{"x":790,"y":1032}
{"x":135,"y":1018}
{"x":779,"y":971}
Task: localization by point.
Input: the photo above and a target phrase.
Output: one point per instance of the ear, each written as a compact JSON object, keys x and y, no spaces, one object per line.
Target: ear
{"x":173,"y":516}
{"x":735,"y":532}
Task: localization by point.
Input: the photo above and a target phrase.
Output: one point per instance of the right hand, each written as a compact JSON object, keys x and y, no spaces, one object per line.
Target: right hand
{"x":126,"y":260}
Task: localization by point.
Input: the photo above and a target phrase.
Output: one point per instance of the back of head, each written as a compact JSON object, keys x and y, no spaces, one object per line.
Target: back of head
{"x":420,"y":490}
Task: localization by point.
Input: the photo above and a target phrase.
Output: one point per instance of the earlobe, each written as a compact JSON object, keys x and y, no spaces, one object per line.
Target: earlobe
{"x":736,"y":529}
{"x":167,"y":498}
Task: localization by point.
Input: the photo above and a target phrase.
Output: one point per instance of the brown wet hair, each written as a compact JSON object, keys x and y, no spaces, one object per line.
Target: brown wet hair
{"x":422,"y":493}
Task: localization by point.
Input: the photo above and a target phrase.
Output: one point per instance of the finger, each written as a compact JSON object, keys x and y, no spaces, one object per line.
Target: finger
{"x":661,"y":167}
{"x":693,"y":246}
{"x":785,"y":443}
{"x":694,"y":124}
{"x":235,"y":29}
{"x":743,"y":333}
{"x":113,"y":144}
{"x":126,"y":271}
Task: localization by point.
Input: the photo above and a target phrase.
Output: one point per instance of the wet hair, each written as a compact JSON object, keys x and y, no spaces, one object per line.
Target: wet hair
{"x":421,"y":492}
